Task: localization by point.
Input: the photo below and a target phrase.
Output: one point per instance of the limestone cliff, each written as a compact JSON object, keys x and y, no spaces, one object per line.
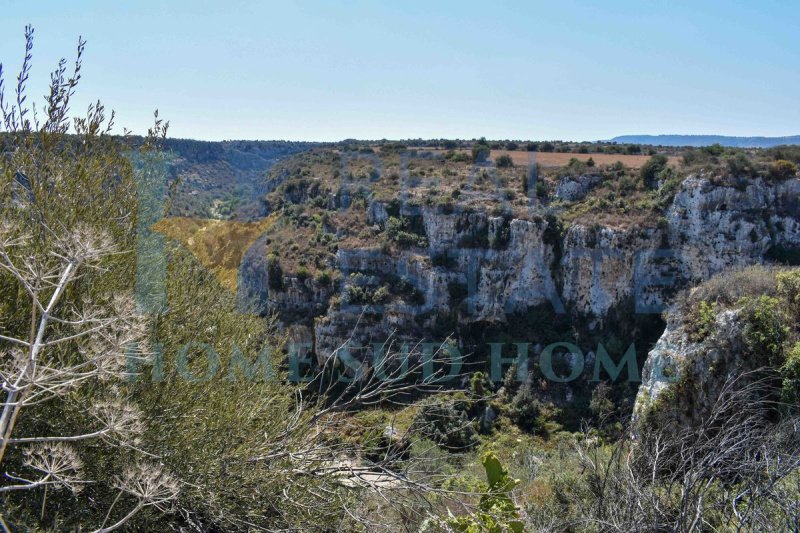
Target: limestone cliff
{"x":475,"y":267}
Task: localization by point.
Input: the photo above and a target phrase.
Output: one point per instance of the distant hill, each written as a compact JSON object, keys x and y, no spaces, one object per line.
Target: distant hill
{"x":707,"y":140}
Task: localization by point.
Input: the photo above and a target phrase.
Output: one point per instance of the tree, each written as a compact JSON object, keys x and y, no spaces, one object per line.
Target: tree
{"x":71,"y":326}
{"x":274,"y":273}
{"x":651,"y":169}
{"x":547,"y":147}
{"x":633,"y":149}
{"x":480,"y":150}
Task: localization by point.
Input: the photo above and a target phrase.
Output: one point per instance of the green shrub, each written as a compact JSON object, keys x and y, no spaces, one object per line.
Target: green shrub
{"x":449,"y":144}
{"x":790,"y":374}
{"x":397,"y":230}
{"x":788,"y":285}
{"x":782,"y":170}
{"x":480,"y":151}
{"x":602,"y":405}
{"x":713,"y":150}
{"x":460,"y":157}
{"x":633,"y":149}
{"x":380,"y":295}
{"x":274,"y":273}
{"x":324,"y":278}
{"x":702,"y":321}
{"x":496,"y":511}
{"x":541,"y":189}
{"x":574,"y":168}
{"x":447,"y":424}
{"x":357,"y":295}
{"x":525,"y":410}
{"x":302,"y":273}
{"x":504,"y":161}
{"x":741,"y":166}
{"x":650,"y":170}
{"x":765,"y":330}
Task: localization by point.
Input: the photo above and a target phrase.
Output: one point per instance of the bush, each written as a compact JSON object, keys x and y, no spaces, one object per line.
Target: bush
{"x":790,"y":374}
{"x":541,"y":189}
{"x":782,"y":170}
{"x":728,"y":288}
{"x":447,"y":424}
{"x":480,"y":151}
{"x":532,"y":147}
{"x":547,"y":147}
{"x":504,"y":161}
{"x":602,"y":405}
{"x":787,"y":152}
{"x":302,"y":273}
{"x":574,"y":168}
{"x":633,"y":149}
{"x":765,"y":331}
{"x":741,"y":166}
{"x":380,"y":296}
{"x":512,"y":146}
{"x":525,"y":410}
{"x":274,"y":273}
{"x":713,"y":150}
{"x":702,"y":321}
{"x":449,"y":144}
{"x":496,"y":512}
{"x":651,"y":169}
{"x":397,"y":229}
{"x":324,"y":278}
{"x":788,"y":285}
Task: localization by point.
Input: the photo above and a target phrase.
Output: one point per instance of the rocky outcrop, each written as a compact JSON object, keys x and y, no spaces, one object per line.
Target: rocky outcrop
{"x":477,"y":267}
{"x":713,"y":227}
{"x":573,"y":189}
{"x":685,"y":376}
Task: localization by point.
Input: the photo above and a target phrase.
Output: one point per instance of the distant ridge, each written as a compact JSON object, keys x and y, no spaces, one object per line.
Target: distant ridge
{"x":707,"y":140}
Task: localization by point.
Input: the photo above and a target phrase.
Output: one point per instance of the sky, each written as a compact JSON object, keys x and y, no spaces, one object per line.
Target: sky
{"x":562,"y":69}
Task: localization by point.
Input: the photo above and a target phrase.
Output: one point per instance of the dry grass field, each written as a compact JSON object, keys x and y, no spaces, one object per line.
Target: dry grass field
{"x":557,"y":159}
{"x":219,"y":245}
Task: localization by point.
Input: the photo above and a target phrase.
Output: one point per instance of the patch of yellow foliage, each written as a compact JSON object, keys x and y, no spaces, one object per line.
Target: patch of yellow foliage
{"x":219,"y":245}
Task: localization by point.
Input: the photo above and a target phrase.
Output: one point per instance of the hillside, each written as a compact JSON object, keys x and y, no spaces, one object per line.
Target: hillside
{"x":223,"y":179}
{"x":369,"y":242}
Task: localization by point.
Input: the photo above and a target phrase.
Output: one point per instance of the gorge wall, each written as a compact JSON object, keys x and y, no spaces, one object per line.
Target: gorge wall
{"x":471,"y":267}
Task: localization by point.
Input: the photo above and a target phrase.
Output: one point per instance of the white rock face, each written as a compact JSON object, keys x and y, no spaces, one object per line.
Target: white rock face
{"x":489,"y":268}
{"x":715,"y":227}
{"x":707,"y":365}
{"x":574,"y":189}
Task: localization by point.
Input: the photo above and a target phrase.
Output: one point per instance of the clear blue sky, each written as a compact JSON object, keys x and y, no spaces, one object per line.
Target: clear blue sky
{"x":566,"y":69}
